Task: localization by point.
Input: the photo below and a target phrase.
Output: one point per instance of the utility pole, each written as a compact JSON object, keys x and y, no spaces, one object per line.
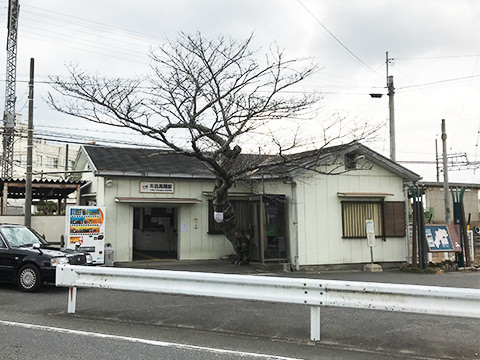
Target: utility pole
{"x":391,"y":107}
{"x":10,"y":84}
{"x":445,"y":174}
{"x":28,"y":182}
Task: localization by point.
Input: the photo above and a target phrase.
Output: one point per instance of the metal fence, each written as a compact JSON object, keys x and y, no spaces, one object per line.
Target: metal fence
{"x":315,"y":293}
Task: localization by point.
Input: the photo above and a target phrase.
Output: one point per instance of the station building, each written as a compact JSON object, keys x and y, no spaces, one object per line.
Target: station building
{"x":159,"y":205}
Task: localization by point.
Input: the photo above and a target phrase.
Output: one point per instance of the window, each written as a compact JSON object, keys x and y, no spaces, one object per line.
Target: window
{"x":354,"y":215}
{"x":350,"y":161}
{"x":52,"y":161}
{"x":388,"y":217}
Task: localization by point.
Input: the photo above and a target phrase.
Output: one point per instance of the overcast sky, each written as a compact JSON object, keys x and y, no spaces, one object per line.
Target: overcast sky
{"x":434,"y":46}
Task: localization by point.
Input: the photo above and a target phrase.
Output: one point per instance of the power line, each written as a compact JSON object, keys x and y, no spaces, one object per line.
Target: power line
{"x":81,"y":140}
{"x":337,"y":39}
{"x":108,"y":49}
{"x":95,"y":24}
{"x":440,"y":82}
{"x":436,"y":57}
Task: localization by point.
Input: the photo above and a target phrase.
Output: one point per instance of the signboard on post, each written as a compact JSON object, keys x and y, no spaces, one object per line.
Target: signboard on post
{"x":86,"y":226}
{"x":439,"y":239}
{"x":370,"y":228}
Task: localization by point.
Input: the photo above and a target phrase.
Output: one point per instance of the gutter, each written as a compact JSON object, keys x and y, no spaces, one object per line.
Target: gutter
{"x":150,"y":175}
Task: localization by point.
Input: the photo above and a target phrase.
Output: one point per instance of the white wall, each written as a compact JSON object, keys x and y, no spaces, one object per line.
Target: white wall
{"x":435,"y":199}
{"x":320,"y":218}
{"x":192,"y":243}
{"x":53,"y":227}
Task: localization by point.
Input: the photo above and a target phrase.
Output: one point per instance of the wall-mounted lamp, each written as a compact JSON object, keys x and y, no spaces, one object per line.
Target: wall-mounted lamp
{"x":109,"y":183}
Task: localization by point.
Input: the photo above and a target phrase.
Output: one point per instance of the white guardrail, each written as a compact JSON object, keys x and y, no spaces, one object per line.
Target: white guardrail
{"x":315,"y":293}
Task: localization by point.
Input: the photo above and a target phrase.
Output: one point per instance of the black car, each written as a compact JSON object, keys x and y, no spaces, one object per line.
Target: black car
{"x":27,"y":260}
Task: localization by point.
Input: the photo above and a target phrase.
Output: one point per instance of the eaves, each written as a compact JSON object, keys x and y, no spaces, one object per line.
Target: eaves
{"x":152,"y":175}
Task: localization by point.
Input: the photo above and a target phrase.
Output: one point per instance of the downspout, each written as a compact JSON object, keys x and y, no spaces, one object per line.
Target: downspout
{"x":407,"y":223}
{"x":295,"y":226}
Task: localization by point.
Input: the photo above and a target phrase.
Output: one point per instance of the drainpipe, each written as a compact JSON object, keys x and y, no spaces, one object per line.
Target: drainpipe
{"x":295,"y":225}
{"x":407,"y":226}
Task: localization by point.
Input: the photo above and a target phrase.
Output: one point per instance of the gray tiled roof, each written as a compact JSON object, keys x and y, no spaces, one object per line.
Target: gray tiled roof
{"x":118,"y":161}
{"x":144,"y":162}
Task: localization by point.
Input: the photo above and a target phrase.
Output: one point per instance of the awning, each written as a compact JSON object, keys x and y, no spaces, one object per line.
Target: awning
{"x":136,"y":200}
{"x":363,"y":194}
{"x":41,"y":189}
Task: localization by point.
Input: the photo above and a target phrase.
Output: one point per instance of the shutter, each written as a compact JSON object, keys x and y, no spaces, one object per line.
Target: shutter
{"x":394,"y":218}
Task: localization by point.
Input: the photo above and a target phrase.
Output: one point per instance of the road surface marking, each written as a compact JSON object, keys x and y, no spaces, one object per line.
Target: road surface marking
{"x":144,"y":341}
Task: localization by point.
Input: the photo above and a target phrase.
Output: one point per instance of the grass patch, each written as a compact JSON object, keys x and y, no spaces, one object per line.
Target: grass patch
{"x":417,"y":270}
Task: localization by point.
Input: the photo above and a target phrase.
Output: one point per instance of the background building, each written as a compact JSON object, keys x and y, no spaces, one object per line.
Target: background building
{"x":49,"y":162}
{"x":49,"y":158}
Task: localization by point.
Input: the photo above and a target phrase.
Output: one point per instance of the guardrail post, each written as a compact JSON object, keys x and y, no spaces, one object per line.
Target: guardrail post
{"x":72,"y":299}
{"x":315,"y":323}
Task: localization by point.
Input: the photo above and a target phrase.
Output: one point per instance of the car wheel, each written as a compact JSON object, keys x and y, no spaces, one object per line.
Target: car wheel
{"x":29,"y":278}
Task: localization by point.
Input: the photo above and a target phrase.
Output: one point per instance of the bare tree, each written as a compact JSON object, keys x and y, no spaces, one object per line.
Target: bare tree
{"x":206,"y":99}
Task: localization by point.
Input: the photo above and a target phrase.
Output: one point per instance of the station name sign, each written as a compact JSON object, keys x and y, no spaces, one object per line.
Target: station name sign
{"x":157,"y":187}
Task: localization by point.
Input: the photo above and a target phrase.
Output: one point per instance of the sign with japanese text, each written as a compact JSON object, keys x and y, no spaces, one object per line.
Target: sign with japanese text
{"x":157,"y":187}
{"x":370,"y":229}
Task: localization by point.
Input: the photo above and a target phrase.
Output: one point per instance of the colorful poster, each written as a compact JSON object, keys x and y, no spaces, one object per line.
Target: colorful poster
{"x":86,"y":227}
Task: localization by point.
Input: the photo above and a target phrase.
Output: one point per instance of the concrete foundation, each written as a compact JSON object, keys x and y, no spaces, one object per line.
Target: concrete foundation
{"x":372,"y":268}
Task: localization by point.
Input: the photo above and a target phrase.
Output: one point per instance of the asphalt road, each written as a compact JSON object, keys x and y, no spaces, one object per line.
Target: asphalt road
{"x":125,"y":325}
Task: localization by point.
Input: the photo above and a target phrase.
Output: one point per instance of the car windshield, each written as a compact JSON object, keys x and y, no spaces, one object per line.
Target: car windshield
{"x":21,"y":236}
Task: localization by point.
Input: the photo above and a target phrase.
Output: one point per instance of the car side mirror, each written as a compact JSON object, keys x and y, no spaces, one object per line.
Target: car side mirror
{"x":37,"y":247}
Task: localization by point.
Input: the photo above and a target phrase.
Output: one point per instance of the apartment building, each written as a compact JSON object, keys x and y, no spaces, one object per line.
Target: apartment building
{"x":49,"y":158}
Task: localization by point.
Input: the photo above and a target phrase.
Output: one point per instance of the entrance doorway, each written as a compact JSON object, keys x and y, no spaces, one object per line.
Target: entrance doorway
{"x":155,"y":233}
{"x":263,"y":219}
{"x":268,"y":233}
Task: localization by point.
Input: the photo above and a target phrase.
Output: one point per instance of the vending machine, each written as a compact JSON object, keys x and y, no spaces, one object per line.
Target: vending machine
{"x":85,"y":228}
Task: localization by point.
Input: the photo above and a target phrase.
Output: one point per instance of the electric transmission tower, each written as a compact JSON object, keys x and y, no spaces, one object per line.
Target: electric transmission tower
{"x":10,"y":84}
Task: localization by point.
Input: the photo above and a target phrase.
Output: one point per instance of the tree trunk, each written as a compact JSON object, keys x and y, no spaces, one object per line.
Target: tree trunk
{"x":224,"y":214}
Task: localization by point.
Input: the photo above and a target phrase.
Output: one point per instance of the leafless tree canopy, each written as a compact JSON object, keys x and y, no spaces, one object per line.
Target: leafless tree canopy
{"x":205,"y":98}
